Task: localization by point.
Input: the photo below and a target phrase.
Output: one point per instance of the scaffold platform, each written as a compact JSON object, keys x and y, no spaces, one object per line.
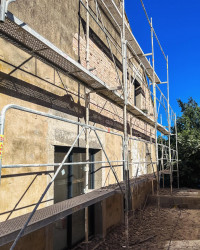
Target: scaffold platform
{"x":9,"y":229}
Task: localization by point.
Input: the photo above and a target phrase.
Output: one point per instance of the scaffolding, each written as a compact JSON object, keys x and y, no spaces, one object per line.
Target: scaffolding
{"x":21,"y":35}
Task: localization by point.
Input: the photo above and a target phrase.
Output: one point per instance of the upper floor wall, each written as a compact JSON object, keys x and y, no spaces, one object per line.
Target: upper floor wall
{"x":64,"y":24}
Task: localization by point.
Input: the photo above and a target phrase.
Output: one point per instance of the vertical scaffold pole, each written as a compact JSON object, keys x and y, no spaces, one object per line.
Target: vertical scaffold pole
{"x":87,"y":34}
{"x":169,"y":127}
{"x":162,"y":155}
{"x":125,"y":153}
{"x":176,"y":134}
{"x":87,"y":103}
{"x":131,"y":144}
{"x":155,"y":114}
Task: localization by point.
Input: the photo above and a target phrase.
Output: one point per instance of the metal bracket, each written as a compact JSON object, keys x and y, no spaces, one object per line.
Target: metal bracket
{"x":100,"y":89}
{"x":115,"y":88}
{"x":148,"y":54}
{"x":86,"y":168}
{"x":4,"y":8}
{"x":140,"y":55}
{"x":96,"y":90}
{"x":86,"y":191}
{"x":92,"y":69}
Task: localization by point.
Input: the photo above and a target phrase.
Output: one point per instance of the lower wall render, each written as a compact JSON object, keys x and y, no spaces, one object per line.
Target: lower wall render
{"x":108,"y":214}
{"x":183,"y":202}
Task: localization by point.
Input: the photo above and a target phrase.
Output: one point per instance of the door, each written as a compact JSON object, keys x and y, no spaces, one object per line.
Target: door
{"x":68,"y":184}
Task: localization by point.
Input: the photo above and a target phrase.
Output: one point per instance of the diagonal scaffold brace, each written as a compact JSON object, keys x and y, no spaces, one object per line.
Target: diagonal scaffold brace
{"x":113,"y":170}
{"x":45,"y":191}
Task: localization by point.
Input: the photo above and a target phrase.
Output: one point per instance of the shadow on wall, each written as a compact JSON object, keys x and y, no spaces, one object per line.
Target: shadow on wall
{"x":19,"y":89}
{"x":16,"y":206}
{"x":14,"y":87}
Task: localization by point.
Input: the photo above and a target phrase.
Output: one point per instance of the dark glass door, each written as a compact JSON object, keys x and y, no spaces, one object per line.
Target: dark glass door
{"x":68,"y":184}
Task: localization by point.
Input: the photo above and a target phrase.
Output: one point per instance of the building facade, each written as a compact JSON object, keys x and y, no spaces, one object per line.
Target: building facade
{"x":30,"y":138}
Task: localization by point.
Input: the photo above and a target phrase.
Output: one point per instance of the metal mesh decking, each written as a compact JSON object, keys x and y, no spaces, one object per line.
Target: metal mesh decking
{"x":45,"y":216}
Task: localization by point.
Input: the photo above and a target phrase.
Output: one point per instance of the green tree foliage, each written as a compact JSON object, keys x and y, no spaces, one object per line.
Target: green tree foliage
{"x":188,"y":128}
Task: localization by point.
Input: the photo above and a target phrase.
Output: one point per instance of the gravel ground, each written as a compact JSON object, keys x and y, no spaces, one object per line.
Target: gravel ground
{"x":152,"y":230}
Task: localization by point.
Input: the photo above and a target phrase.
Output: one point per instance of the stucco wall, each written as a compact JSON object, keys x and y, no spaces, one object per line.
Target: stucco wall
{"x":30,"y":138}
{"x":108,"y":213}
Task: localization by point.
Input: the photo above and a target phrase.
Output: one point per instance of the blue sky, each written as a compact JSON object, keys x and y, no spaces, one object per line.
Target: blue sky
{"x":177,"y":24}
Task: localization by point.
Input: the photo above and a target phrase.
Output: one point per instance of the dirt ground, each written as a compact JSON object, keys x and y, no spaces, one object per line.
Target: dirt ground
{"x":171,"y":228}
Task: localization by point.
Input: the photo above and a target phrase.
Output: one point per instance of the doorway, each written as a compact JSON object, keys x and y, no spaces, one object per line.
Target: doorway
{"x":70,"y":183}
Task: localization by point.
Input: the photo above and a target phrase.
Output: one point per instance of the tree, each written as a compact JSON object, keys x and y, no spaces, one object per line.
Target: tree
{"x":188,"y":128}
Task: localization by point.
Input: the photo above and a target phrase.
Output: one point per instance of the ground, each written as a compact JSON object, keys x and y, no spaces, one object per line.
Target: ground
{"x":170,"y":228}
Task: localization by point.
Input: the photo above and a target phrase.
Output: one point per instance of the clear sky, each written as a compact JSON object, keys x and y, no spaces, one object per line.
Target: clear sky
{"x":177,"y":24}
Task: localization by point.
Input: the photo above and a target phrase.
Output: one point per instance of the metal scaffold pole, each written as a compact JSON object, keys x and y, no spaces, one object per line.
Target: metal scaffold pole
{"x":125,"y":152}
{"x":169,"y":127}
{"x":162,"y":156}
{"x":155,"y":112}
{"x":176,"y":134}
{"x":87,"y":103}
